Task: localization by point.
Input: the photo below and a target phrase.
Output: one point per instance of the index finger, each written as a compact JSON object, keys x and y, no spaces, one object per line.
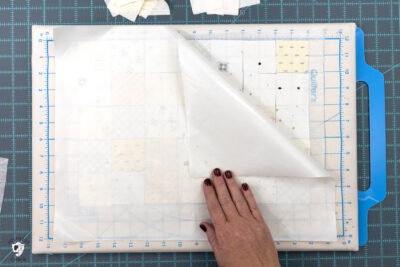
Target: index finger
{"x":213,"y":205}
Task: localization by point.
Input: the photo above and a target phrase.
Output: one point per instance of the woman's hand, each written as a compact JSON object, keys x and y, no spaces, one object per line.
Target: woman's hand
{"x":239,"y":236}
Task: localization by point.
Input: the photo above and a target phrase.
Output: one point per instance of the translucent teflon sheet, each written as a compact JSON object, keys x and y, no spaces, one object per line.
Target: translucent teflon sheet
{"x":123,"y":154}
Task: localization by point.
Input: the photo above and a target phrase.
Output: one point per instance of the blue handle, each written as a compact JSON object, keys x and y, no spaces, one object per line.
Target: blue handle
{"x":377,"y":190}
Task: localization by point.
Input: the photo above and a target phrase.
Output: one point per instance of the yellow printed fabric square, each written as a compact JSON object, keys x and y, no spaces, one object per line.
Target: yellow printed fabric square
{"x":128,"y":155}
{"x":291,"y":56}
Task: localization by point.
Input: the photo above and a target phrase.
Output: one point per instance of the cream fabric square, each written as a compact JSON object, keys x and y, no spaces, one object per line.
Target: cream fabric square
{"x":128,"y":155}
{"x":291,"y":56}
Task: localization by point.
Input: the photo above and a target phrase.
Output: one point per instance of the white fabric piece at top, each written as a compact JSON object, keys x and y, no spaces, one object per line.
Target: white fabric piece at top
{"x":245,"y":3}
{"x":198,"y":6}
{"x":130,"y":9}
{"x":122,"y":165}
{"x":154,"y":8}
{"x":229,"y":7}
{"x":220,"y":7}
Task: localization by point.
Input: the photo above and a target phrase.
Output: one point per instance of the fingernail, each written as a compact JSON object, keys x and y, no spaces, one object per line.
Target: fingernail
{"x":245,"y":187}
{"x":228,"y":174}
{"x":217,"y":172}
{"x":203,"y":227}
{"x":207,"y":182}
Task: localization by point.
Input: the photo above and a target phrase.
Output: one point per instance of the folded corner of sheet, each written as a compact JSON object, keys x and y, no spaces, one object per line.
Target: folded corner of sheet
{"x":227,"y":130}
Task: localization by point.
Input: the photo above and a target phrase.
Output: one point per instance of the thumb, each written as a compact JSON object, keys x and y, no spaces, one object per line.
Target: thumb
{"x":210,"y":232}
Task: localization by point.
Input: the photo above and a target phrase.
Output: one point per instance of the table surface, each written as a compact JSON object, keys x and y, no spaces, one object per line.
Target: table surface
{"x":380,"y":21}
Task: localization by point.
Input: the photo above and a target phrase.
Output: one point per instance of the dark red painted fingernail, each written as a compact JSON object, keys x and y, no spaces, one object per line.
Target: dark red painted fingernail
{"x":203,"y":227}
{"x":228,"y":174}
{"x":217,"y":172}
{"x":245,"y":187}
{"x":207,"y":182}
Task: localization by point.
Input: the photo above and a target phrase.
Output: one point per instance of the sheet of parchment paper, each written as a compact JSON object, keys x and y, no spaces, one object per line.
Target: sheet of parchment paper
{"x":122,"y":165}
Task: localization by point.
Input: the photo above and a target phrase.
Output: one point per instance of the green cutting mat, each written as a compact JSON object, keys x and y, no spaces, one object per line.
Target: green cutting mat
{"x":378,"y":19}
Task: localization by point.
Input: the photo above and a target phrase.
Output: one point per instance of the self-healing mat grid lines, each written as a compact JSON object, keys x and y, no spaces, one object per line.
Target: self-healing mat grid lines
{"x":380,"y":22}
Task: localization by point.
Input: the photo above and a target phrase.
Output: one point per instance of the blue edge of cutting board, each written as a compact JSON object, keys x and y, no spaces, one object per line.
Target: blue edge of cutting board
{"x":377,"y":190}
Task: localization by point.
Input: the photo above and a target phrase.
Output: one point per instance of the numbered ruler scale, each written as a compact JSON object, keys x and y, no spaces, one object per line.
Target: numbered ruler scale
{"x":339,"y":104}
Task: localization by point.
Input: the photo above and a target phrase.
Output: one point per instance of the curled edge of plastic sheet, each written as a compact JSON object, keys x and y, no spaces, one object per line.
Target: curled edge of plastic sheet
{"x":226,"y":130}
{"x":3,"y":175}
